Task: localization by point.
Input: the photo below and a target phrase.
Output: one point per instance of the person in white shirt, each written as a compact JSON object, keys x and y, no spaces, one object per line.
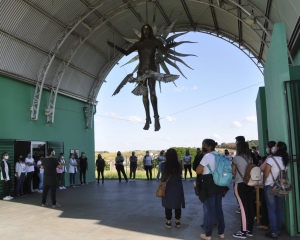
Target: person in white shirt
{"x":41,"y":174}
{"x":6,"y":177}
{"x":228,"y":156}
{"x":20,"y":175}
{"x":148,"y":165}
{"x":61,"y":172}
{"x":211,"y":195}
{"x":160,"y":159}
{"x":72,"y":169}
{"x":30,"y":163}
{"x":275,"y":203}
{"x":187,"y":161}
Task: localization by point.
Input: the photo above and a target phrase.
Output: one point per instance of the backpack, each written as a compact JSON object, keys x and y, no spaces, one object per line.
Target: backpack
{"x":223,"y":172}
{"x":281,"y":186}
{"x":252,"y":174}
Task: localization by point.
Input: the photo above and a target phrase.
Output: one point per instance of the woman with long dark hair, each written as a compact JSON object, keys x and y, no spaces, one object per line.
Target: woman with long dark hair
{"x":275,"y":203}
{"x":243,"y":192}
{"x":100,"y":163}
{"x":174,"y":198}
{"x":211,"y":194}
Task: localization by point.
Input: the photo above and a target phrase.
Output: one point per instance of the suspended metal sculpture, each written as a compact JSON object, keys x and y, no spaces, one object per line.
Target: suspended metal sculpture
{"x":154,"y":51}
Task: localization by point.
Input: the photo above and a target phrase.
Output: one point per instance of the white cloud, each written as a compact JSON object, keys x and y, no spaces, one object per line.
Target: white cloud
{"x":217,"y":136}
{"x":236,"y":124}
{"x":180,"y":89}
{"x":195,"y":87}
{"x":170,"y":119}
{"x":134,"y":119}
{"x":168,"y":139}
{"x":251,"y":119}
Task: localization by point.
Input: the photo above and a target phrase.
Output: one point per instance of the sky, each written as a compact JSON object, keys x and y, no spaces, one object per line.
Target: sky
{"x":217,"y":100}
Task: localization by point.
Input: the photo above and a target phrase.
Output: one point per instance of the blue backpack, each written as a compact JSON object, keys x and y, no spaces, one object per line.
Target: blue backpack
{"x":223,"y":172}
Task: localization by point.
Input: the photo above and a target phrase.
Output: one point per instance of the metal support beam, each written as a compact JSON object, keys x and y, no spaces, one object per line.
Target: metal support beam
{"x":213,"y":14}
{"x":162,"y":12}
{"x":266,"y":24}
{"x":188,"y":13}
{"x":136,"y":14}
{"x":239,"y":13}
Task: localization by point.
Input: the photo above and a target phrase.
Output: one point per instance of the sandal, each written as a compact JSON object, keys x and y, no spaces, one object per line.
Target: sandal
{"x":262,"y":227}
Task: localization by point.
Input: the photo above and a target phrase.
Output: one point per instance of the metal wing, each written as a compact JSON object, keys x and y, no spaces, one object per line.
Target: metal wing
{"x":175,"y":66}
{"x":178,"y":60}
{"x":131,"y":60}
{"x":128,"y":78}
{"x":180,"y":54}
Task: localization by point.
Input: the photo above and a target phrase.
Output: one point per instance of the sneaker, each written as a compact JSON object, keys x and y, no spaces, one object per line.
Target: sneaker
{"x":203,"y":236}
{"x":56,"y":205}
{"x":10,"y":197}
{"x":249,"y":233}
{"x":23,"y":194}
{"x":45,"y":205}
{"x":271,"y":235}
{"x":60,"y":188}
{"x":238,"y":211}
{"x":222,"y":236}
{"x":7,"y":198}
{"x":240,"y":234}
{"x":177,"y":224}
{"x":168,"y":225}
{"x":64,"y":187}
{"x":40,"y":191}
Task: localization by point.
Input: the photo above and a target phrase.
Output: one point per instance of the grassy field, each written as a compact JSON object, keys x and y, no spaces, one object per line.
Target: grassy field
{"x":114,"y":175}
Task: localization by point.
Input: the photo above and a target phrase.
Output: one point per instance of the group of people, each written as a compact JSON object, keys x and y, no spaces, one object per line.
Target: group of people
{"x":211,"y":194}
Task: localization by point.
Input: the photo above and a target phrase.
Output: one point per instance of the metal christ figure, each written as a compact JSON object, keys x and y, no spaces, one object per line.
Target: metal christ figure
{"x":147,"y":74}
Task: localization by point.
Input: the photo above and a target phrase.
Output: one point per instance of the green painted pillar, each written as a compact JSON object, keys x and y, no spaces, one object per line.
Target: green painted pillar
{"x":262,"y":120}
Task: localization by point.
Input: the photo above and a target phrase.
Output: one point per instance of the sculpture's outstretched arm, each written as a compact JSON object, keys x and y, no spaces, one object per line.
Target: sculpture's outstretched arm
{"x":121,"y":50}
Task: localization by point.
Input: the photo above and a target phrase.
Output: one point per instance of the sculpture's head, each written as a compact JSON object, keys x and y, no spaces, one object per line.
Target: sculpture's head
{"x":147,"y":32}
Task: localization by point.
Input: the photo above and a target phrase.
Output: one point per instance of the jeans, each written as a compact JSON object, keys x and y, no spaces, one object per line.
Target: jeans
{"x":132,"y":170}
{"x":49,"y":185}
{"x":6,"y":188}
{"x":204,"y":217}
{"x":102,"y":174}
{"x":148,"y":170}
{"x":275,"y":209}
{"x":187,"y":167}
{"x":168,"y":213}
{"x":82,"y":172}
{"x":213,"y":204}
{"x":263,"y":209}
{"x":120,"y":169}
{"x":245,"y":198}
{"x":41,"y":176}
{"x":20,"y":183}
{"x":72,"y":179}
{"x":159,"y":171}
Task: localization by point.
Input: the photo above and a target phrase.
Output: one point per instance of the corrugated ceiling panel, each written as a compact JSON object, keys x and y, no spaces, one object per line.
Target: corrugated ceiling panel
{"x":109,"y":5}
{"x":64,"y":10}
{"x":19,"y":58}
{"x":83,"y":56}
{"x":227,"y":22}
{"x":201,"y":14}
{"x":251,"y":39}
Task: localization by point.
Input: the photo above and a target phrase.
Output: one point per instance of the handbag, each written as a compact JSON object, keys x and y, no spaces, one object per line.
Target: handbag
{"x":161,"y":190}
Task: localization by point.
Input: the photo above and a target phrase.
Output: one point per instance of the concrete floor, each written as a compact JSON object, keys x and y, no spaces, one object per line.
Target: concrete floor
{"x":114,"y":210}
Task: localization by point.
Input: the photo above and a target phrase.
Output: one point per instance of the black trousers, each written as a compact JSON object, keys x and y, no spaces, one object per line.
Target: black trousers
{"x":133,"y":170}
{"x":148,"y":172}
{"x":6,"y":188}
{"x":102,"y":174}
{"x":187,"y":167}
{"x":120,"y":169}
{"x":49,"y":184}
{"x":29,"y":180}
{"x":168,"y":213}
{"x":82,"y":172}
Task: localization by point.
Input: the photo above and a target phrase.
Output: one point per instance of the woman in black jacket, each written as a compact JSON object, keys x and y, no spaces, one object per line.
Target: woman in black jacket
{"x":174,"y":198}
{"x":100,"y":163}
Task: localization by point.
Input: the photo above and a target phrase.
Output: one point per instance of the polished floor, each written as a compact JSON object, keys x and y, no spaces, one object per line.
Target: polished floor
{"x":116,"y":211}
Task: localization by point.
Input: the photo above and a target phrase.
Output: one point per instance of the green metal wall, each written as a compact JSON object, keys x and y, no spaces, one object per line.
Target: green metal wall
{"x":277,"y":71}
{"x":262,"y":120}
{"x":69,"y":125}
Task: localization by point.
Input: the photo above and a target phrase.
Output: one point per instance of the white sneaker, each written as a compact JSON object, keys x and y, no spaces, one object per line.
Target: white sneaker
{"x":10,"y":197}
{"x":56,"y":205}
{"x":7,"y":198}
{"x":64,"y":187}
{"x":40,"y":191}
{"x":60,"y":188}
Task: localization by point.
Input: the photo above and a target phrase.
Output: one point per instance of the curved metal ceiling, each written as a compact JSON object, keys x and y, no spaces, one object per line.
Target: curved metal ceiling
{"x":61,"y":44}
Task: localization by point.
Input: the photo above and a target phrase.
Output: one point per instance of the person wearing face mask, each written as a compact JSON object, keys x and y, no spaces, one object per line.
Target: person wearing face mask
{"x":61,"y":172}
{"x":148,"y":165}
{"x":100,"y":164}
{"x":228,"y":156}
{"x":72,"y":169}
{"x":20,"y":175}
{"x":119,"y":166}
{"x":187,"y":159}
{"x":270,"y":149}
{"x":160,"y":159}
{"x":30,"y":163}
{"x":83,"y":167}
{"x":6,"y":177}
{"x":41,"y":174}
{"x":133,"y":165}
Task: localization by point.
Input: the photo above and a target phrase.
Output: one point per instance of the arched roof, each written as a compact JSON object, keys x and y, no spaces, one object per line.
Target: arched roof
{"x":61,"y":44}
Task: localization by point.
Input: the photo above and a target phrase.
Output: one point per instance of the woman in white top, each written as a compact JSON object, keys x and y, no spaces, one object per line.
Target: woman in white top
{"x":62,"y":162}
{"x":41,"y":174}
{"x":72,"y":169}
{"x":148,"y":165}
{"x":275,"y":203}
{"x":211,"y":194}
{"x":30,"y":163}
{"x":20,"y":175}
{"x":187,"y":159}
